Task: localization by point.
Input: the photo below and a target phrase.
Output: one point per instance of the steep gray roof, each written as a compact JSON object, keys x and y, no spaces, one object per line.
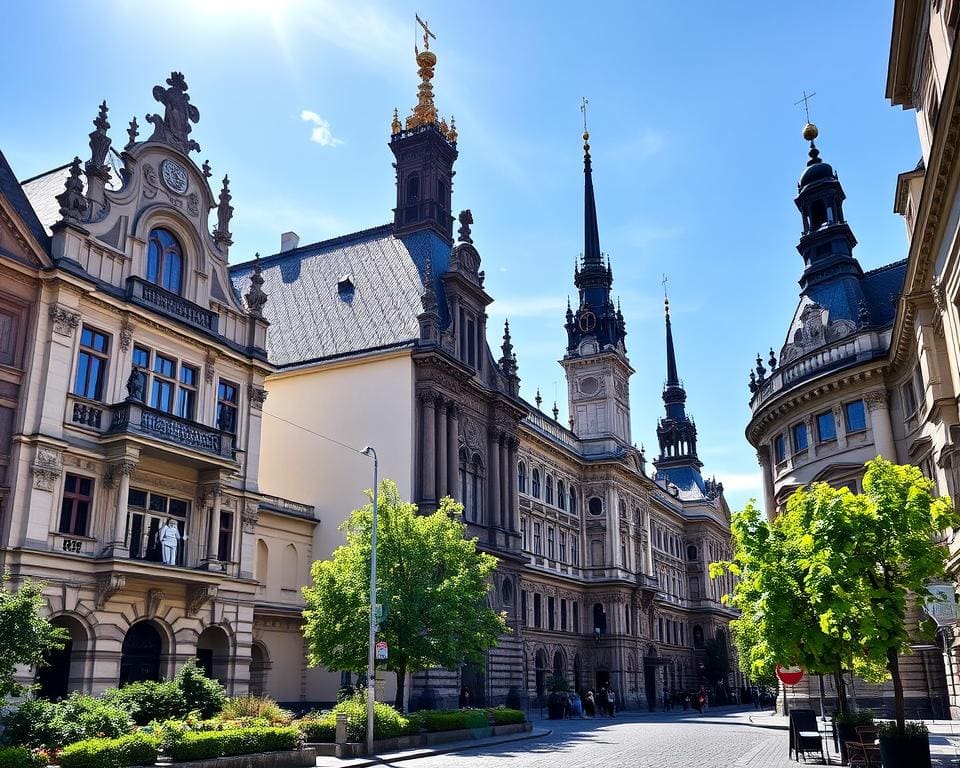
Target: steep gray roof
{"x":42,"y":191}
{"x":311,"y":320}
{"x":10,"y":188}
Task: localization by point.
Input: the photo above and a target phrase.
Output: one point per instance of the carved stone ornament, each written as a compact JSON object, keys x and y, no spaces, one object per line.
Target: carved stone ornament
{"x":466,"y":221}
{"x":256,"y":297}
{"x":174,"y":127}
{"x":939,"y":294}
{"x":73,"y":204}
{"x":251,"y":514}
{"x":64,"y":320}
{"x":876,"y":400}
{"x":257,"y":395}
{"x":210,"y":366}
{"x":47,"y":466}
{"x":199,"y":595}
{"x":107,"y":586}
{"x":472,"y":436}
{"x":117,"y":470}
{"x":151,"y":182}
{"x":126,"y":335}
{"x":221,"y":235}
{"x":154,"y":598}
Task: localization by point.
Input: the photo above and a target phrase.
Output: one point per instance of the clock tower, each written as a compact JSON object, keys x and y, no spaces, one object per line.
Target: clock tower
{"x":596,"y":365}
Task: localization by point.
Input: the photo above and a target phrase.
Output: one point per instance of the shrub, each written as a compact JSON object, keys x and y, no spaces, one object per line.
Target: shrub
{"x":451,"y":719}
{"x":504,"y":716}
{"x":206,"y":745}
{"x":20,"y":757}
{"x":149,"y":700}
{"x":134,"y":749}
{"x":318,"y":728}
{"x":387,"y":722}
{"x":241,"y":707}
{"x":199,"y":692}
{"x":40,"y":723}
{"x":913,"y":729}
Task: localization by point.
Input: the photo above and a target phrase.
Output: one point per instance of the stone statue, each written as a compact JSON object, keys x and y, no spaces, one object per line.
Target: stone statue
{"x":135,"y":384}
{"x":466,"y":221}
{"x":174,"y":127}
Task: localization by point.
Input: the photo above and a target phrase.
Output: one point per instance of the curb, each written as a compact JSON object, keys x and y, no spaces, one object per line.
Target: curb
{"x":395,"y":757}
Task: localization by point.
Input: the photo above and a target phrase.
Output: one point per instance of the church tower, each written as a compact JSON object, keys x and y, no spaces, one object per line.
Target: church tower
{"x":676,"y":432}
{"x":425,"y":148}
{"x":596,"y":365}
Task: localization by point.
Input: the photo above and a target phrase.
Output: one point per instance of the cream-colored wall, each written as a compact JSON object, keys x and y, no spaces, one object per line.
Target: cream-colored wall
{"x":369,"y":402}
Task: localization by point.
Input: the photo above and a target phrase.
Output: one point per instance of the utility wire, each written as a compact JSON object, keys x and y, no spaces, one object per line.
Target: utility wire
{"x":312,"y":432}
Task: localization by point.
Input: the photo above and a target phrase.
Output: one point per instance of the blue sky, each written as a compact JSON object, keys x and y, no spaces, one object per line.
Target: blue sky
{"x":696,"y":145}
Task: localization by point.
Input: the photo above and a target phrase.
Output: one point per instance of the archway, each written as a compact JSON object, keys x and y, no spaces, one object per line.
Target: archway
{"x":213,"y":654}
{"x":473,"y":685}
{"x":140,"y":653}
{"x":577,"y":673}
{"x":558,"y":665}
{"x":64,"y":671}
{"x":258,"y":669}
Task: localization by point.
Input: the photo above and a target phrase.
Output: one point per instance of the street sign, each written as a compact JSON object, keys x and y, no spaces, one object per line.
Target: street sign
{"x":381,"y":650}
{"x":942,"y":605}
{"x":789,"y":675}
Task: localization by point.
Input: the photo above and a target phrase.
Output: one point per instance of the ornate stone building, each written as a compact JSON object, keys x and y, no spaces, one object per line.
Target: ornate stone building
{"x":131,"y":392}
{"x":380,"y":338}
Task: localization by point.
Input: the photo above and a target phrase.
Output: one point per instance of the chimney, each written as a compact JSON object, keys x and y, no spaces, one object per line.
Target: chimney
{"x":289,"y":241}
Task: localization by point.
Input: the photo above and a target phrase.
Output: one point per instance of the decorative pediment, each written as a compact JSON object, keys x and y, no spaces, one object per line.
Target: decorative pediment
{"x":465,"y":261}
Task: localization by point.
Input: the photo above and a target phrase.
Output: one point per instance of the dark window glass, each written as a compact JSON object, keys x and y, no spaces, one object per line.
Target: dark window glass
{"x":227,"y":399}
{"x":799,"y":437}
{"x":780,"y":448}
{"x":91,"y":364}
{"x":596,"y":505}
{"x":165,"y":260}
{"x":225,"y":538}
{"x":576,"y":617}
{"x":551,"y":613}
{"x":536,"y":483}
{"x":536,"y":609}
{"x":523,"y":606}
{"x":522,"y":477}
{"x":549,"y":484}
{"x":550,"y":542}
{"x":563,"y":546}
{"x":141,"y":358}
{"x":563,"y":615}
{"x":826,"y":426}
{"x":856,"y":418}
{"x":187,"y":393}
{"x":137,"y":498}
{"x":75,"y":507}
{"x":537,"y":546}
{"x":561,"y":495}
{"x":573,"y":501}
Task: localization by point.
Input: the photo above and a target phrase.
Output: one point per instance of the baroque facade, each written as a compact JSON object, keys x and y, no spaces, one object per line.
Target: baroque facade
{"x":870,"y":363}
{"x":131,"y":399}
{"x":380,"y":338}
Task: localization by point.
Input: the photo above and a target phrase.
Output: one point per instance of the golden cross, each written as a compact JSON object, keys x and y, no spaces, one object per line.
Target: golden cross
{"x":806,"y":106}
{"x":583,"y":108}
{"x":664,"y":284}
{"x":427,"y":34}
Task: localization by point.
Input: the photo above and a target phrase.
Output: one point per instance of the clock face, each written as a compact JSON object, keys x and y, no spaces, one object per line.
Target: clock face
{"x":174,"y":175}
{"x":588,"y":321}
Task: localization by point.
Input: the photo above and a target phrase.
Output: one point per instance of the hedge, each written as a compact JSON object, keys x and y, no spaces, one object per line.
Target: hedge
{"x":505,"y":716}
{"x":135,"y":749}
{"x":450,"y":719}
{"x":318,"y":729}
{"x":20,"y":757}
{"x":204,"y":745}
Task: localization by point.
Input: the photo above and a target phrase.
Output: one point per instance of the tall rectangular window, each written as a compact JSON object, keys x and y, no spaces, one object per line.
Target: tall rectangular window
{"x":75,"y":507}
{"x":799,"y":437}
{"x":187,"y":392}
{"x":563,"y":615}
{"x":563,"y":546}
{"x":91,"y":364}
{"x":537,"y":548}
{"x":536,"y":610}
{"x":780,"y":448}
{"x":164,"y":383}
{"x":855,"y":416}
{"x":225,"y":536}
{"x":551,"y":612}
{"x":227,"y":400}
{"x":576,"y":616}
{"x":523,"y":606}
{"x":909,"y":399}
{"x":550,"y":542}
{"x":574,"y":550}
{"x":826,"y":427}
{"x":523,"y":533}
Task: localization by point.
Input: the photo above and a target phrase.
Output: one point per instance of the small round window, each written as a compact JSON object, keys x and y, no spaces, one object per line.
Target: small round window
{"x":595,"y":505}
{"x":589,"y":385}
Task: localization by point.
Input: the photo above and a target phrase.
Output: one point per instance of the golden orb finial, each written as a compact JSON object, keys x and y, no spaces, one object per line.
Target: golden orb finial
{"x":586,"y":136}
{"x":810,"y":131}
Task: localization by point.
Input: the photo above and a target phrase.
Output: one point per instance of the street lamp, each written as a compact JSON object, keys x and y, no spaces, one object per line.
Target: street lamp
{"x":371,"y":671}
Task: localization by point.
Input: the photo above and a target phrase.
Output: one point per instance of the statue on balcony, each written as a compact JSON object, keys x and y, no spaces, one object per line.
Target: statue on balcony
{"x":135,"y":384}
{"x":170,"y":537}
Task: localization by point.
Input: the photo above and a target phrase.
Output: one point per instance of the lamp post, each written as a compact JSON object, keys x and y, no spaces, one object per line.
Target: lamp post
{"x":371,"y":661}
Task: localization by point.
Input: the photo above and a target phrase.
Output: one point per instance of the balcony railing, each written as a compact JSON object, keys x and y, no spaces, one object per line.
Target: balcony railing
{"x":547,"y":426}
{"x":136,"y":418}
{"x":165,"y":302}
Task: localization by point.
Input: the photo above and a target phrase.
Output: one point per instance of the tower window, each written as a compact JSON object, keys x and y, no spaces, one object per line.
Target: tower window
{"x":826,"y":426}
{"x":818,"y":215}
{"x":799,"y":437}
{"x":596,"y":505}
{"x":413,"y":189}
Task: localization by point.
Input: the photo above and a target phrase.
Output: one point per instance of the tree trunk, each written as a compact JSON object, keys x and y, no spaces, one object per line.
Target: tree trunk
{"x":401,"y":672}
{"x":893,"y":667}
{"x":842,"y":705}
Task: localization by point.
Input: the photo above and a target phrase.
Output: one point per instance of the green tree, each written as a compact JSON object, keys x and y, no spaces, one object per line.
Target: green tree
{"x":431,"y":581}
{"x":26,"y":637}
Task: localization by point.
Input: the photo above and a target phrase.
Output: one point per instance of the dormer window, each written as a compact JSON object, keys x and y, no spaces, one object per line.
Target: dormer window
{"x":165,"y":260}
{"x":345,"y":287}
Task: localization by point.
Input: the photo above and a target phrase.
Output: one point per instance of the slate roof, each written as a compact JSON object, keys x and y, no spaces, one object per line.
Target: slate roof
{"x":42,"y":192}
{"x":881,"y":289}
{"x":310,"y":320}
{"x":688,"y":480}
{"x":10,"y":188}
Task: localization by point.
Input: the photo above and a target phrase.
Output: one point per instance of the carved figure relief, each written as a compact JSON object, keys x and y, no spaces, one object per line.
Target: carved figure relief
{"x":64,"y":320}
{"x":47,"y":466}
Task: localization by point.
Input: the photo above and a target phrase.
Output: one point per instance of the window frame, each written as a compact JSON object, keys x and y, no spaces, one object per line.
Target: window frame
{"x":780,"y":448}
{"x":224,"y":405}
{"x":173,"y":381}
{"x":76,"y":498}
{"x":799,"y":428}
{"x":537,"y":542}
{"x":90,"y":353}
{"x":863,"y":415}
{"x":158,"y":274}
{"x":833,"y":423}
{"x":535,"y":483}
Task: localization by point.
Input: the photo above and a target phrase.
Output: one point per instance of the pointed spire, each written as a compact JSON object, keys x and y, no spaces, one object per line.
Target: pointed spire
{"x":556,"y":411}
{"x":538,"y":399}
{"x":395,"y":125}
{"x":221,"y":234}
{"x":673,"y":380}
{"x":73,"y":205}
{"x":99,"y":143}
{"x":507,"y":361}
{"x":256,"y":298}
{"x":591,"y":230}
{"x":133,"y":130}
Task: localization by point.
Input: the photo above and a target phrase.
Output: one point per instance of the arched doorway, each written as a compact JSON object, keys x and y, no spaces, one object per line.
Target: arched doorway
{"x":541,"y":671}
{"x":558,"y":665}
{"x":258,"y":670}
{"x":577,"y":673}
{"x":140,"y":653}
{"x":63,"y":671}
{"x":473,"y":685}
{"x":213,"y":654}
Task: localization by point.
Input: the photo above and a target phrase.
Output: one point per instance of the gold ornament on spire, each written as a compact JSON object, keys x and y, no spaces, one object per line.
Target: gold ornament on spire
{"x":425,"y":112}
{"x":395,"y":125}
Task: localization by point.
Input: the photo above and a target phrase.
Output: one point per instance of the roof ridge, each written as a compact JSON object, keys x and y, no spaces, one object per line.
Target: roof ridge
{"x":45,"y":173}
{"x":884,"y":267}
{"x":338,"y":240}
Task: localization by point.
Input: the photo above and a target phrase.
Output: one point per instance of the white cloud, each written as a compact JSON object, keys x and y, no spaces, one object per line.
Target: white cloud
{"x":321,"y":133}
{"x":740,"y":481}
{"x":531,"y":306}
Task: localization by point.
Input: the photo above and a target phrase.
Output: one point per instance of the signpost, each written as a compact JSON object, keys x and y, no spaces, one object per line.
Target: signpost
{"x":789,"y":675}
{"x":382,"y":650}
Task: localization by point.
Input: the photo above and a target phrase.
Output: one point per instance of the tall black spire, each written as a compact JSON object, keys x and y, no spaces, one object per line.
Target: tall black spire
{"x":676,"y":432}
{"x":591,"y":230}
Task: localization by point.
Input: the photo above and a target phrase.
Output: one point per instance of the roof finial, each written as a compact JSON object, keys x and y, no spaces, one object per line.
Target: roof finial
{"x":256,"y":298}
{"x":425,"y":113}
{"x":538,"y":400}
{"x":805,"y":100}
{"x":591,"y":248}
{"x":99,"y":143}
{"x":133,"y":130}
{"x":221,"y":234}
{"x":556,"y":411}
{"x":395,"y":125}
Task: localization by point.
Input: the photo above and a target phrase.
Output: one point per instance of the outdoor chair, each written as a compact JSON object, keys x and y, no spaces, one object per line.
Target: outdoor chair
{"x":804,"y":735}
{"x":864,"y":753}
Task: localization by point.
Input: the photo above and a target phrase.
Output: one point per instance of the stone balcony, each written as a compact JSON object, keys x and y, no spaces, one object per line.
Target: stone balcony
{"x":152,"y":296}
{"x":165,"y":430}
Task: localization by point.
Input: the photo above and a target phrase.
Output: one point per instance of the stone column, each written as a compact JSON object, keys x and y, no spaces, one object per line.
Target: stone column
{"x":506,"y":477}
{"x":213,"y":494}
{"x":876,"y":403}
{"x":453,"y":451}
{"x":121,"y":472}
{"x":766,"y":470}
{"x":512,"y":511}
{"x":428,"y":489}
{"x":441,"y":424}
{"x":649,"y":547}
{"x":494,"y":449}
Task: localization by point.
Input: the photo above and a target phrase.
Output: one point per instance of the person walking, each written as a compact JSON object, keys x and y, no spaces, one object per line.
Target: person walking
{"x":589,"y":704}
{"x":611,"y":702}
{"x":701,"y":699}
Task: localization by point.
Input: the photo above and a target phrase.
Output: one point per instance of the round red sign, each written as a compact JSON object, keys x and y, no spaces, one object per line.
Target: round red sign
{"x":789,"y":675}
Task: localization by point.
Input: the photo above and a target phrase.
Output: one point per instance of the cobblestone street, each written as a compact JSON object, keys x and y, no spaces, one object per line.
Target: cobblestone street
{"x":726,"y":739}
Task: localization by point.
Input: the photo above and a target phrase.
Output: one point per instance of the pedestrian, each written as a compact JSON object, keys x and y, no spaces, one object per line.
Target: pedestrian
{"x":589,"y":704}
{"x":602,"y":701}
{"x":755,"y":697}
{"x":611,"y":701}
{"x":686,"y":702}
{"x":701,"y":699}
{"x":666,"y":699}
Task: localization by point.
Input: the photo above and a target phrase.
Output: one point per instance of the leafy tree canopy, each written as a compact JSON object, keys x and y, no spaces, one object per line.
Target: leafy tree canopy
{"x":431,"y":581}
{"x":26,"y":637}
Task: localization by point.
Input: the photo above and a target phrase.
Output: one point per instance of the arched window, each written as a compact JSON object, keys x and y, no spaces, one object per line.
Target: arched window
{"x":561,"y":495}
{"x":697,"y":636}
{"x":522,"y":477}
{"x":536,"y":483}
{"x":691,"y":552}
{"x":573,"y":501}
{"x":413,"y":189}
{"x":558,"y":664}
{"x":165,"y":260}
{"x":471,"y":484}
{"x":599,"y":620}
{"x":549,"y":484}
{"x":291,"y":565}
{"x":540,"y":662}
{"x":263,"y":555}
